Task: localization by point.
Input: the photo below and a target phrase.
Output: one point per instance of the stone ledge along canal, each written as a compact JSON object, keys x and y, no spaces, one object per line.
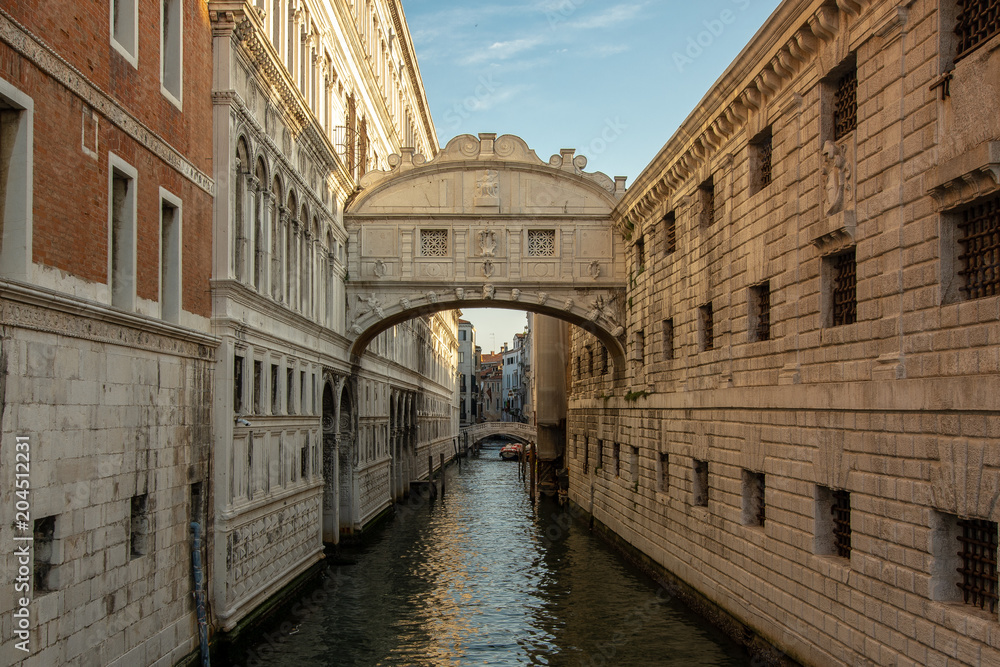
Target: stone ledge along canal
{"x":481,"y":577}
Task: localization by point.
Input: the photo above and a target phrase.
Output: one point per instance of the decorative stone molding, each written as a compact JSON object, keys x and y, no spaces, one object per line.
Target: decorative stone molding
{"x":965,"y":178}
{"x":962,"y":482}
{"x":837,"y":234}
{"x":889,"y":366}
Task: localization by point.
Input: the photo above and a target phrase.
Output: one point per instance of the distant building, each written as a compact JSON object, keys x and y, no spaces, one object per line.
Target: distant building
{"x":468,"y":374}
{"x":491,"y":387}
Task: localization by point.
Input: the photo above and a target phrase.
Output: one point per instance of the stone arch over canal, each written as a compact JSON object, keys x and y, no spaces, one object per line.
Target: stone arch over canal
{"x":486,"y":224}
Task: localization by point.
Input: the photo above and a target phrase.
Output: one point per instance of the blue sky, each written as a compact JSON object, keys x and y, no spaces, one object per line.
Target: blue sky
{"x":611,"y":79}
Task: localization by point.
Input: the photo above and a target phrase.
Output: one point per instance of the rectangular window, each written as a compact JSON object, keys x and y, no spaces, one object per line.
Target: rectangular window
{"x":753,"y":498}
{"x":833,"y":522}
{"x":586,"y":455}
{"x":258,"y":385}
{"x":433,"y":242}
{"x":125,"y":29}
{"x":977,"y":550}
{"x":16,"y":155}
{"x":303,"y":396}
{"x":138,"y":527}
{"x":600,"y":453}
{"x":668,"y":338}
{"x":640,"y":255}
{"x":761,"y":150}
{"x":978,"y":248}
{"x":122,"y":234}
{"x":590,"y":361}
{"x":634,"y":466}
{"x":977,"y":22}
{"x":170,"y":257}
{"x":843,"y":288}
{"x":669,"y":233}
{"x":707,"y":326}
{"x":759,"y":316}
{"x":290,"y":391}
{"x":238,"y":384}
{"x":541,"y":242}
{"x":304,"y":459}
{"x":42,"y":547}
{"x":845,"y":104}
{"x":663,"y":473}
{"x":172,"y":50}
{"x":699,"y":490}
{"x":706,"y":196}
{"x":461,"y":357}
{"x":275,"y":393}
{"x":604,"y":360}
{"x":616,"y":454}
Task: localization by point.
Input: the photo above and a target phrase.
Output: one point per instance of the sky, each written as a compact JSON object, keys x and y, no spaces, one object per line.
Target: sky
{"x":613,"y":80}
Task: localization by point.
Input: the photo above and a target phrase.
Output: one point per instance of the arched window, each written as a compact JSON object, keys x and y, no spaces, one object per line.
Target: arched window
{"x":239,"y":208}
{"x":276,"y":244}
{"x":259,"y":255}
{"x":290,"y":250}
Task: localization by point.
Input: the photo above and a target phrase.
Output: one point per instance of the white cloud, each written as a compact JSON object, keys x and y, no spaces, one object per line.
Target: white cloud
{"x":609,"y":17}
{"x":505,"y":50}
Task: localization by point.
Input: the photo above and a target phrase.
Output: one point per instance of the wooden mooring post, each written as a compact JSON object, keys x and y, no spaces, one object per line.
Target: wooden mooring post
{"x":441,"y":473}
{"x":531,"y":472}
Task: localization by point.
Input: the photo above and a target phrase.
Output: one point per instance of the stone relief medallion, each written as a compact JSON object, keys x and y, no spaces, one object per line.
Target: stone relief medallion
{"x":470,"y":147}
{"x":435,"y":270}
{"x":380,"y":268}
{"x":594,"y":269}
{"x":542,"y":270}
{"x":504,"y":146}
{"x":488,"y":268}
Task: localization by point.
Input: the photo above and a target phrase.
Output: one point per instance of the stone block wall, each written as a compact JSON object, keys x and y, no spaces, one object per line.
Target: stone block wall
{"x":739,"y":446}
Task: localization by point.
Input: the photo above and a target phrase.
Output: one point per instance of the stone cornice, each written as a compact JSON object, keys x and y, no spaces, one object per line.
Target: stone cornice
{"x":786,"y":44}
{"x":40,"y":309}
{"x":21,"y":40}
{"x":962,"y":179}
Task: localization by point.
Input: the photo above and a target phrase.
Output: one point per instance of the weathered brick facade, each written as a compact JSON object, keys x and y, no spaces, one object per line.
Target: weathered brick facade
{"x":108,"y":382}
{"x":810,"y":418}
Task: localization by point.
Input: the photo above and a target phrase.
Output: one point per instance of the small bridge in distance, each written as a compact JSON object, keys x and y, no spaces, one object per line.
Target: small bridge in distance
{"x":470,"y":435}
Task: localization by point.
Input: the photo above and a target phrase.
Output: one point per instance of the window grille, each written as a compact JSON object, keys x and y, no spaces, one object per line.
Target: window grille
{"x":670,"y":233}
{"x":764,"y":151}
{"x":977,"y":22}
{"x":841,"y":511}
{"x":979,"y":563}
{"x":708,"y":328}
{"x":541,"y":242}
{"x":434,"y":242}
{"x":763,"y":297}
{"x":756,"y":481}
{"x":845,"y":109}
{"x":845,"y":289}
{"x":979,"y":241}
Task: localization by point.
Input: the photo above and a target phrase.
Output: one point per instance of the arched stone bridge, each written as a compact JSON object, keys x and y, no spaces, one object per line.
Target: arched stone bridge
{"x":478,"y":432}
{"x":486,"y":224}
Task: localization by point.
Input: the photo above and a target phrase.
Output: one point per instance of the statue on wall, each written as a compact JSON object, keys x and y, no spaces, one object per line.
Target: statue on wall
{"x":488,"y":268}
{"x":488,"y":185}
{"x":836,"y":177}
{"x":380,"y":268}
{"x":595,"y":269}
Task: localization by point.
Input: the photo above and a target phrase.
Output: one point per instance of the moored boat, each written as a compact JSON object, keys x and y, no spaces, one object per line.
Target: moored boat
{"x":510,"y":452}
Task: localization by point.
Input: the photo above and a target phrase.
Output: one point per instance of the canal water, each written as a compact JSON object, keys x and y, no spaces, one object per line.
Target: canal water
{"x":483,"y":578}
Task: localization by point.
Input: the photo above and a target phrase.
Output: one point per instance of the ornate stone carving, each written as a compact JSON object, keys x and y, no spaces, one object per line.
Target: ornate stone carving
{"x":460,"y":293}
{"x":594,"y":269}
{"x":488,"y":291}
{"x":515,"y":294}
{"x":487,"y":188}
{"x":374,"y":306}
{"x":380,"y":268}
{"x":488,"y":268}
{"x":487,"y":243}
{"x":542,"y":298}
{"x":405,"y":303}
{"x":432,"y":297}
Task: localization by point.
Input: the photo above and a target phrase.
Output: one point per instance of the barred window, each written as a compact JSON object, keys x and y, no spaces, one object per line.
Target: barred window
{"x":845,"y":104}
{"x":669,"y":233}
{"x":761,"y":150}
{"x":753,"y":498}
{"x":976,"y":23}
{"x":979,"y":249}
{"x":840,"y":510}
{"x":668,"y":338}
{"x":541,"y":242}
{"x":760,"y":312}
{"x":706,"y":194}
{"x":640,"y":255}
{"x":434,"y":242}
{"x":664,"y":473}
{"x":707,"y":327}
{"x":700,"y":487}
{"x":845,"y":288}
{"x":978,"y":570}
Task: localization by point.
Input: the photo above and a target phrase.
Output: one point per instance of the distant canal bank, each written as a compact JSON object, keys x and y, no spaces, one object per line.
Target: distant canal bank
{"x":482,"y":578}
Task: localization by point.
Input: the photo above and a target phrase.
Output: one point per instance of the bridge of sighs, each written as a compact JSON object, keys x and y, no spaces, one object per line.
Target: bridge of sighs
{"x":486,"y":224}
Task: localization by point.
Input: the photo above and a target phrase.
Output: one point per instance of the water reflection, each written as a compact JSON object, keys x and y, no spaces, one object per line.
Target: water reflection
{"x":482,"y":578}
